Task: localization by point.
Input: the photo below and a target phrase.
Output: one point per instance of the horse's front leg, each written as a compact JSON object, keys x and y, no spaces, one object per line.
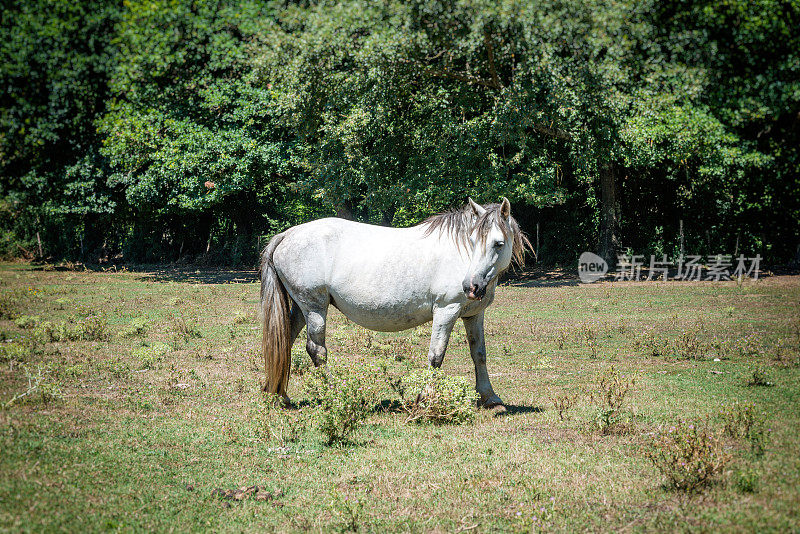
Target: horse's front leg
{"x":477,"y":349}
{"x":443,"y":321}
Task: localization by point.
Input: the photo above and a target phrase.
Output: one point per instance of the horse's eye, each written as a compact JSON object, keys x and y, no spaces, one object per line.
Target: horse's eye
{"x":499,"y":244}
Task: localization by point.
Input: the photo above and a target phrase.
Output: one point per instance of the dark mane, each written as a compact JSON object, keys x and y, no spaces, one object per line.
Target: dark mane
{"x":458,"y":224}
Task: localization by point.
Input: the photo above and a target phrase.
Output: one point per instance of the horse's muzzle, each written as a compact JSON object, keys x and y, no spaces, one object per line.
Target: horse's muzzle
{"x":474,"y":291}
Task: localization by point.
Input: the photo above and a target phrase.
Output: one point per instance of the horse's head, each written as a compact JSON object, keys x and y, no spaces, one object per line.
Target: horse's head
{"x":495,"y":240}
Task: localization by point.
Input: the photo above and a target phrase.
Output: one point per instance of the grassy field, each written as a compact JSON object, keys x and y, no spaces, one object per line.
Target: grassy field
{"x":140,"y":401}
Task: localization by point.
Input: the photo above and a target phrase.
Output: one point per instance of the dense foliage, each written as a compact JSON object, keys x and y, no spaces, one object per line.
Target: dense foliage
{"x":164,"y":131}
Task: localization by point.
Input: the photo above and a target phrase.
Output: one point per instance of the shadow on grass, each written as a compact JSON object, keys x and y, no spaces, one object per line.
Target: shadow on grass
{"x":517,"y":409}
{"x":199,"y":276}
{"x":541,"y":278}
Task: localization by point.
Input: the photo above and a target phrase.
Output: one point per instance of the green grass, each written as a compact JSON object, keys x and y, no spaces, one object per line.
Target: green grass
{"x":150,"y":422}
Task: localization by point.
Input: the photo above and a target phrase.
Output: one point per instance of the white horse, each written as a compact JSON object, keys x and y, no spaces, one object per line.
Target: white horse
{"x":387,"y":279}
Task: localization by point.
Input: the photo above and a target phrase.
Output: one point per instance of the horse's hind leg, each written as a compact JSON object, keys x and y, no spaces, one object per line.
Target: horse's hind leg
{"x":298,"y":321}
{"x":315,"y":328}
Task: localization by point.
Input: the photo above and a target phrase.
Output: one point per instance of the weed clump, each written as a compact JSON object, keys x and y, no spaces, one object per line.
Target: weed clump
{"x":91,"y":328}
{"x":689,"y":346}
{"x":563,"y":403}
{"x":9,"y":305}
{"x":743,"y":421}
{"x":149,"y":355}
{"x":689,"y":455}
{"x":13,"y":352}
{"x":185,"y":329}
{"x":136,"y":328}
{"x":650,"y":344}
{"x":41,"y":388}
{"x":609,"y":397}
{"x":26,"y":322}
{"x":343,"y":400}
{"x":759,"y":376}
{"x":440,"y":398}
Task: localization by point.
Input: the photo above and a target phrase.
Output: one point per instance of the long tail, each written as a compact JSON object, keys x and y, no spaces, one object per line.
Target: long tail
{"x":275,"y":307}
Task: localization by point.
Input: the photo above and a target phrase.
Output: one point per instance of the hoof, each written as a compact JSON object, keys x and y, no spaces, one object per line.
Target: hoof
{"x":492,"y":402}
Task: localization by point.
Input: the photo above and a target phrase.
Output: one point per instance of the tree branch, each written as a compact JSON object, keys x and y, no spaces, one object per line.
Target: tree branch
{"x":490,"y":52}
{"x":558,"y":133}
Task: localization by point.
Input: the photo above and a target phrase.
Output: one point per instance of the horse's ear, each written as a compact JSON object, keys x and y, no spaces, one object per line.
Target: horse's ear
{"x":505,"y":208}
{"x":477,"y":208}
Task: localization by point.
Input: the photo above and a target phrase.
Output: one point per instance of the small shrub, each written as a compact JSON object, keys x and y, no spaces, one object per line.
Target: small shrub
{"x":688,"y":346}
{"x":148,"y":356}
{"x":586,"y":333}
{"x":738,"y":345}
{"x":688,"y":455}
{"x":185,"y":329}
{"x":746,"y":479}
{"x":9,"y":305}
{"x":608,"y":396}
{"x":650,"y":344}
{"x":786,"y":352}
{"x":440,"y":398}
{"x":90,"y":328}
{"x":562,"y":337}
{"x":349,"y":509}
{"x":136,"y":328}
{"x":26,"y":322}
{"x":61,"y":303}
{"x":241,"y":318}
{"x":13,"y":352}
{"x":301,"y":362}
{"x":759,"y":376}
{"x":743,"y":421}
{"x":342,"y":399}
{"x":116,"y":367}
{"x":49,"y":332}
{"x":93,"y":328}
{"x":563,"y":403}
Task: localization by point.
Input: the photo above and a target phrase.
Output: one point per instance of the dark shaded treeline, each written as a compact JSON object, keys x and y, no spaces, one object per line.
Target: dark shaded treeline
{"x":162,"y":131}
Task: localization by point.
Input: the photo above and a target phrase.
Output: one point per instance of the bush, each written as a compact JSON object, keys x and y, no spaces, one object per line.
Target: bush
{"x":746,"y":479}
{"x":343,"y":399}
{"x":563,"y":403}
{"x":13,"y":352}
{"x":116,"y":367}
{"x":688,"y":346}
{"x":47,"y":331}
{"x":149,"y":355}
{"x":608,"y":396}
{"x":136,"y":328}
{"x":9,"y":305}
{"x":93,"y":328}
{"x":688,"y":455}
{"x":743,"y":421}
{"x":440,"y":398}
{"x":26,"y":322}
{"x":185,"y":329}
{"x":759,"y":376}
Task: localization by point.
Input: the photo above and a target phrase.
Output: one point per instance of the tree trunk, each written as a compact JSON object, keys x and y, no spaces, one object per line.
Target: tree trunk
{"x":609,"y":215}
